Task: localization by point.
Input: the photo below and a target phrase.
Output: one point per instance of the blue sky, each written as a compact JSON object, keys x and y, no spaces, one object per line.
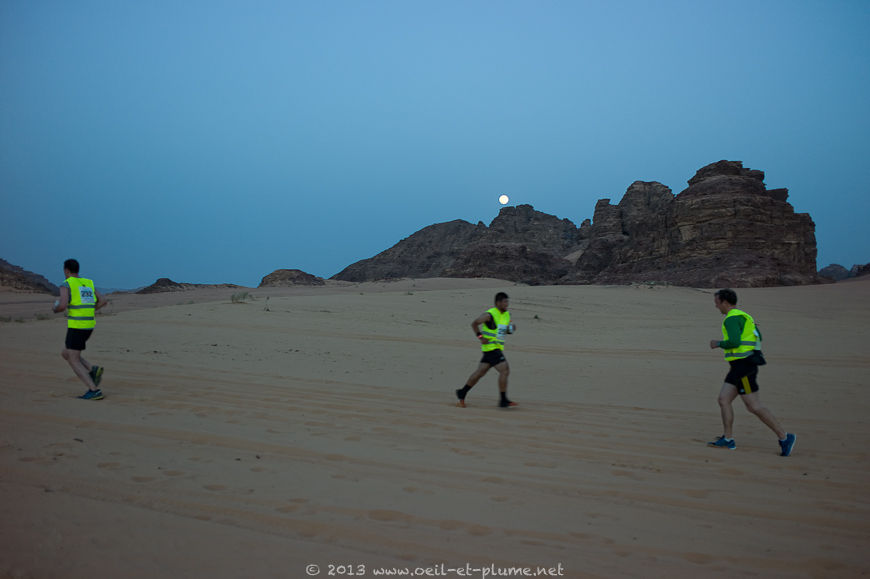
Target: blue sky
{"x":216,"y":141}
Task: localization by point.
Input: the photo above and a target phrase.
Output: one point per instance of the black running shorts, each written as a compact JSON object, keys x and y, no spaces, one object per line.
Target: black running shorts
{"x":76,"y":338}
{"x":743,"y":375}
{"x":493,"y":357}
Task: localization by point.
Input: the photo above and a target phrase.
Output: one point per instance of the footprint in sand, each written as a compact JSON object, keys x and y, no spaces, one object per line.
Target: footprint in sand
{"x":214,"y":487}
{"x":109,"y":465}
{"x":388,"y":515}
{"x":479,"y":530}
{"x":625,"y":473}
{"x":463,"y":451}
{"x":699,"y":558}
{"x":451,"y":525}
{"x":541,"y":464}
{"x":142,"y":479}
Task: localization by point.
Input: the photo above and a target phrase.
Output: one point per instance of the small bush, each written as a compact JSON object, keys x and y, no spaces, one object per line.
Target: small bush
{"x":242,"y":297}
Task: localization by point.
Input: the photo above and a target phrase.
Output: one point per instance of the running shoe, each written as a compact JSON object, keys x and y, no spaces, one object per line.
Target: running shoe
{"x":506,"y":403}
{"x":723,"y":442}
{"x":459,"y":395}
{"x":92,"y":395}
{"x":787,"y":444}
{"x":96,"y":374}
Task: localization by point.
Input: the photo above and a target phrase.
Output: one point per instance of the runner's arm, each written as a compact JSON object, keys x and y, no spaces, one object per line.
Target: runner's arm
{"x":734,"y":329}
{"x":475,"y":325}
{"x":63,"y":301}
{"x":101,"y":301}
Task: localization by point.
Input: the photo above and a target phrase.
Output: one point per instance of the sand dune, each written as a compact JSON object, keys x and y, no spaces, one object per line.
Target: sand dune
{"x":318,"y":426}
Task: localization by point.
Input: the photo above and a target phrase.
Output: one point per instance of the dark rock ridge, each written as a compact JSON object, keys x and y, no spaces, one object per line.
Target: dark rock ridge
{"x":520,"y":244}
{"x":837,"y":272}
{"x":164,"y":284}
{"x":725,"y":229}
{"x":290,"y":277}
{"x":19,"y":279}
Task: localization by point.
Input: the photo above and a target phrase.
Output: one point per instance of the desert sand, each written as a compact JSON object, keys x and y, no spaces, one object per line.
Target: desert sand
{"x":318,"y":426}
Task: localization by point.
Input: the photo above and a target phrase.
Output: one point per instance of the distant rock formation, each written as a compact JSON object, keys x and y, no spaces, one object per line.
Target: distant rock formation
{"x":837,"y":272}
{"x":13,"y":277}
{"x":290,"y":277}
{"x":725,"y":229}
{"x":164,"y":284}
{"x":520,"y":244}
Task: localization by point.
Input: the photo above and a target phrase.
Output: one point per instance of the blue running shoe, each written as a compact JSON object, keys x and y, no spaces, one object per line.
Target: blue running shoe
{"x":787,"y":444}
{"x":92,"y":395}
{"x":723,"y":442}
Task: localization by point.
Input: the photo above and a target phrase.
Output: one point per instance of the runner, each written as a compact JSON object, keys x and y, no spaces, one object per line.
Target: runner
{"x":742,"y":345}
{"x":496,"y":323}
{"x":80,"y":300}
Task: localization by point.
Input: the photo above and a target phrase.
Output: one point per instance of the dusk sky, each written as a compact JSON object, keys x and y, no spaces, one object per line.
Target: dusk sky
{"x":217,"y":141}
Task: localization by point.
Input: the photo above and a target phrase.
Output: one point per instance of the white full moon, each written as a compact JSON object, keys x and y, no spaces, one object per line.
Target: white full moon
{"x":504,"y":199}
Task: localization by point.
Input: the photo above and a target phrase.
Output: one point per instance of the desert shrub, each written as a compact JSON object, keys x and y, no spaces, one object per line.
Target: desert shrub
{"x":242,"y":297}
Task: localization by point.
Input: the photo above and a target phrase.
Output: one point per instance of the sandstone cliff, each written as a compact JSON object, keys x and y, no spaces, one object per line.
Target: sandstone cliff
{"x":725,"y":229}
{"x":837,"y":272}
{"x":520,"y":244}
{"x":16,"y":278}
{"x":164,"y":284}
{"x":290,"y":277}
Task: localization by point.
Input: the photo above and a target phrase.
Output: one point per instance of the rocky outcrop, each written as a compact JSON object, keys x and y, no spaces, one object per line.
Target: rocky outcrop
{"x":290,"y":277}
{"x":520,"y":244}
{"x":725,"y":229}
{"x":13,"y":277}
{"x":164,"y":284}
{"x":427,"y":253}
{"x":837,"y":272}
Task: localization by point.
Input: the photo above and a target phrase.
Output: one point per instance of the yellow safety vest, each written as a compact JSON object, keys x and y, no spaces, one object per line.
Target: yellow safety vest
{"x":495,"y":336}
{"x":82,"y":303}
{"x":749,"y":339}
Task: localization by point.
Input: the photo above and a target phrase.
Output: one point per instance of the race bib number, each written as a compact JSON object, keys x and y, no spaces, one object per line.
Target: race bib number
{"x":87,"y":295}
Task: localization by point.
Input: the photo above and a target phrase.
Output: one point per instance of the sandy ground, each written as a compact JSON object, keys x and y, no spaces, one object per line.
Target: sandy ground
{"x":318,"y":427}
